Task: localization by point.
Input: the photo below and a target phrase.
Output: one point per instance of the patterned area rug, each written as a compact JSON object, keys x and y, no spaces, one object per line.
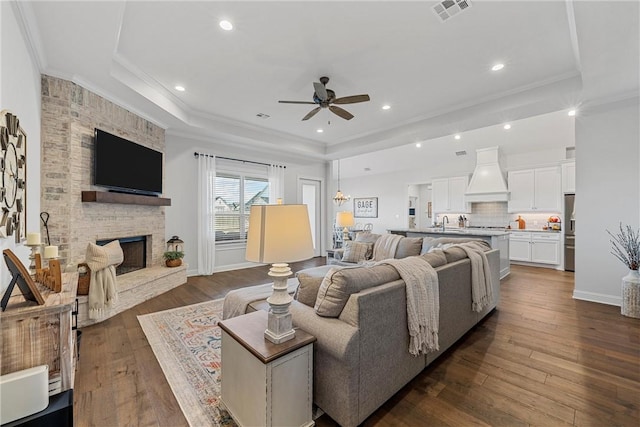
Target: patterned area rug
{"x":187,"y":343}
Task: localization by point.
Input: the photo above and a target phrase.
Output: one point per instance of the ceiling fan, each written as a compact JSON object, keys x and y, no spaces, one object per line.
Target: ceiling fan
{"x":326,"y":97}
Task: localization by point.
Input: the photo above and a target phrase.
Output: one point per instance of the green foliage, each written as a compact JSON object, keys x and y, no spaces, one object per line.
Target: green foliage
{"x":173,"y":255}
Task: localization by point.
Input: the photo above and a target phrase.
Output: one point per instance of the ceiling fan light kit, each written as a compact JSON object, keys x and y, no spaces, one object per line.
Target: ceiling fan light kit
{"x":326,"y":98}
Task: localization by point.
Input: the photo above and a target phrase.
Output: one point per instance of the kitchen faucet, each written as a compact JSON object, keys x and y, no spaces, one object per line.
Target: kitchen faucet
{"x":443,"y":218}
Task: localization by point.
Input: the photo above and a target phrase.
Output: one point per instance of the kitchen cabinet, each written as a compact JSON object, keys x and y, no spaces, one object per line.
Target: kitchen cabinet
{"x":569,"y":177}
{"x":535,"y":190}
{"x":448,"y":195}
{"x":540,"y":248}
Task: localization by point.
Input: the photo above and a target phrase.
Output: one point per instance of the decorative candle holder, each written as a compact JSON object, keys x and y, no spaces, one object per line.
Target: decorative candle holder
{"x":32,"y":257}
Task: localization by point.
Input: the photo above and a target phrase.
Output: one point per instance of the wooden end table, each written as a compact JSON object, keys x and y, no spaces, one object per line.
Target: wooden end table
{"x":264,"y":383}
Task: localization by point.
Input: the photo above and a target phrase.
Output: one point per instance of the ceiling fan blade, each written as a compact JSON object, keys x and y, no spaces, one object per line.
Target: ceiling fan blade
{"x":297,"y":102}
{"x":351,"y":99}
{"x":311,"y":113}
{"x":321,"y":91}
{"x":340,"y":112}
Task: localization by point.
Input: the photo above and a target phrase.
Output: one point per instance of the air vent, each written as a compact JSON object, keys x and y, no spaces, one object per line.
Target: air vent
{"x":263,"y":115}
{"x":448,"y":8}
{"x":461,"y":153}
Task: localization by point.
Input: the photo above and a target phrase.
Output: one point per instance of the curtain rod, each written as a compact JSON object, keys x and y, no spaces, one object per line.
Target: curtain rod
{"x":196,"y":154}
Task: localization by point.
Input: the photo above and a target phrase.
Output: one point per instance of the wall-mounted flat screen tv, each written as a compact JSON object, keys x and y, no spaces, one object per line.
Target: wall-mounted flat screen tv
{"x":123,"y":165}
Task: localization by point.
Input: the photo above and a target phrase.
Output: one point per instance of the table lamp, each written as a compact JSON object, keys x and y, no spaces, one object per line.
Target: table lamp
{"x":345,"y":219}
{"x":279,"y":234}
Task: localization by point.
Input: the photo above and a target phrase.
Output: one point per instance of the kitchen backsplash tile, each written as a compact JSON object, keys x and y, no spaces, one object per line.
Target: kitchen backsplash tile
{"x":494,"y":214}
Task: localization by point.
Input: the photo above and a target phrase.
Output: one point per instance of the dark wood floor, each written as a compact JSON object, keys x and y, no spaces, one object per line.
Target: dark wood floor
{"x":542,"y":358}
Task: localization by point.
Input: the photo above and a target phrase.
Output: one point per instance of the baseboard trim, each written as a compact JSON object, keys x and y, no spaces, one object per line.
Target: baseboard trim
{"x":238,"y":266}
{"x":596,"y":297}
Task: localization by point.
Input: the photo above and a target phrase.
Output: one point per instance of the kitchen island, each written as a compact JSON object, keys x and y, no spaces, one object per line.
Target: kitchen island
{"x":498,"y":239}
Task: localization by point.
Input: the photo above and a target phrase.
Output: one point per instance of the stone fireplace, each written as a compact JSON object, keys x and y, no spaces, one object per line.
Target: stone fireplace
{"x":70,"y":115}
{"x":134,"y":250}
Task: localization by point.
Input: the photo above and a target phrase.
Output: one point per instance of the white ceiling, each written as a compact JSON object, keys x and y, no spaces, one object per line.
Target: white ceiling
{"x":436,"y":76}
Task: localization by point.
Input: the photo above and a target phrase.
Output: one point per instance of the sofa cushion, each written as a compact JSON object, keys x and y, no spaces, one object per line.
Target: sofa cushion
{"x":354,"y":251}
{"x":309,"y":281}
{"x":435,"y":259}
{"x":338,"y":285}
{"x":409,"y":246}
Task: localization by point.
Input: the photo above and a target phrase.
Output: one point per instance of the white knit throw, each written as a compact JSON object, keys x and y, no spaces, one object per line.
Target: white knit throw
{"x":481,"y":282}
{"x":423,"y":302}
{"x":102,"y":260}
{"x":385,"y":247}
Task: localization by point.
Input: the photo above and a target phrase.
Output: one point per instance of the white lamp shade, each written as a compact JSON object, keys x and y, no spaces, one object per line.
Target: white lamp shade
{"x":279,"y":233}
{"x":344,"y":219}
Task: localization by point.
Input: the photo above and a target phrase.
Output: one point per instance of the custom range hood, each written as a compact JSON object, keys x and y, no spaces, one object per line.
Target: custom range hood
{"x":487,"y":183}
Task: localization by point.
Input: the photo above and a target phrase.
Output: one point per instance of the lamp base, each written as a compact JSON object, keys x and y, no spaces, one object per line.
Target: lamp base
{"x":279,"y":328}
{"x":279,"y":324}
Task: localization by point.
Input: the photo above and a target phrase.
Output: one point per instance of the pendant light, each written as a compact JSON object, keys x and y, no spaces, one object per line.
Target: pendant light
{"x":340,"y":198}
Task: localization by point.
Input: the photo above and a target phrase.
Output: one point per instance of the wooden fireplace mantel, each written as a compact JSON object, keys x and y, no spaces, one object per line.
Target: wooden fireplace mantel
{"x":122,"y":198}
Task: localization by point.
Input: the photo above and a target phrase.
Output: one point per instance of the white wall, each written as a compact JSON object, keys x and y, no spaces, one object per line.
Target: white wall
{"x":607,"y":193}
{"x":180,"y":186}
{"x":20,"y":93}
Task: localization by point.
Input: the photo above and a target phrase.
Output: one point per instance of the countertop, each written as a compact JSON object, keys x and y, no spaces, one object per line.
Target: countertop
{"x":453,"y":231}
{"x":471,"y":231}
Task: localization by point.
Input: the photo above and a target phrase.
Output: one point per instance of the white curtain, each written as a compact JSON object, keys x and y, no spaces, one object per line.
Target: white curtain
{"x":206,"y":214}
{"x":276,"y":184}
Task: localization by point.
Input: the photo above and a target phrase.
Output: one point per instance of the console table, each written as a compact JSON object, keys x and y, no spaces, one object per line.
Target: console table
{"x":264,"y":383}
{"x":34,"y":335}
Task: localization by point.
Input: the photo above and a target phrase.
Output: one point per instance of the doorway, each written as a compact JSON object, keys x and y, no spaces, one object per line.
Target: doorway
{"x":310,"y":194}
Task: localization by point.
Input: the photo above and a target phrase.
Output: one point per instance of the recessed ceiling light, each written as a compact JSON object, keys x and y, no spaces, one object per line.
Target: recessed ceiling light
{"x":507,"y":126}
{"x":386,"y":107}
{"x":572,"y":113}
{"x":457,"y":137}
{"x":418,"y":145}
{"x":180,"y":88}
{"x":319,"y":130}
{"x":497,"y":67}
{"x":226,"y":25}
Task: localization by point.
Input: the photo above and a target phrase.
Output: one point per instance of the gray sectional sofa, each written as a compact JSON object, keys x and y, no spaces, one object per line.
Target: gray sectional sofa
{"x":361,"y":356}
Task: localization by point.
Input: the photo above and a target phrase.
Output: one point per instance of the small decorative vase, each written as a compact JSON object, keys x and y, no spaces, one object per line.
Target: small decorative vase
{"x":173,"y":262}
{"x":631,"y":294}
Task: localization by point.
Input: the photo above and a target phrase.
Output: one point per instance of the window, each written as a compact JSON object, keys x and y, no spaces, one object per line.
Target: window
{"x":235,"y":194}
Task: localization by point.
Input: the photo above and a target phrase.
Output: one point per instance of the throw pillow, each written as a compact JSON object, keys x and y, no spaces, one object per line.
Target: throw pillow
{"x":354,"y":251}
{"x":310,"y":280}
{"x":368,"y":238}
{"x":409,"y":246}
{"x":100,"y":257}
{"x":338,"y":285}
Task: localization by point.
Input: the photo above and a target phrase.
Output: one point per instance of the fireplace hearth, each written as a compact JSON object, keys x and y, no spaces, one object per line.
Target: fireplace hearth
{"x":134,"y":250}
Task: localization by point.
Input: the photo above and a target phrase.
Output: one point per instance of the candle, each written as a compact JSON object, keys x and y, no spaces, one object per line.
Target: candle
{"x":33,"y":238}
{"x":51,"y":252}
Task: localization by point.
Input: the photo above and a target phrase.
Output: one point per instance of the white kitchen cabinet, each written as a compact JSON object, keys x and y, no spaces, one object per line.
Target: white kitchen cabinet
{"x":535,"y":190}
{"x":448,"y":195}
{"x":535,"y":247}
{"x":569,"y":177}
{"x":520,"y":246}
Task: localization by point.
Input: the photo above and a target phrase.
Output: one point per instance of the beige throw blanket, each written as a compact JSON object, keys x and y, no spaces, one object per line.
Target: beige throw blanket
{"x":481,"y":283}
{"x":385,"y":247}
{"x":423,"y":302}
{"x":103,"y":260}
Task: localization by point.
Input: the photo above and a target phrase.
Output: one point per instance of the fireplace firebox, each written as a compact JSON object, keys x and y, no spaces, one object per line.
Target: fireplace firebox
{"x":134,"y":250}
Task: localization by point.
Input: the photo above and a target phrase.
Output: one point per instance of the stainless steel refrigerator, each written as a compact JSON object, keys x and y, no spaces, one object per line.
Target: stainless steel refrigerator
{"x":569,"y":231}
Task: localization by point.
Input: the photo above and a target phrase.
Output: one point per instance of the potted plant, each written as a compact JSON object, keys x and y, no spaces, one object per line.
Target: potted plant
{"x":173,"y":258}
{"x":626,"y":247}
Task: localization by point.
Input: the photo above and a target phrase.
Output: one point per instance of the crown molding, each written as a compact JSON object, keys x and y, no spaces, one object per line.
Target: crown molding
{"x":29,"y":28}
